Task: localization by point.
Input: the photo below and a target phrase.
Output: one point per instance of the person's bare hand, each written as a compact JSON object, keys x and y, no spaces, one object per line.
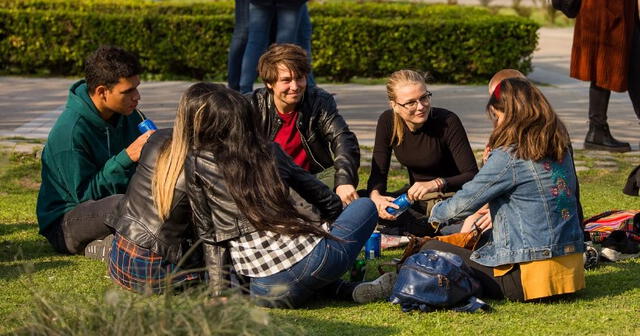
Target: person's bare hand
{"x":347,"y":193}
{"x":382,"y":202}
{"x":135,"y":148}
{"x":419,"y":190}
{"x":480,"y":220}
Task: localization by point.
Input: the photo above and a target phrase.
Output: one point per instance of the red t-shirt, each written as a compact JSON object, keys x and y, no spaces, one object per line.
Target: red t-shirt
{"x":289,"y":139}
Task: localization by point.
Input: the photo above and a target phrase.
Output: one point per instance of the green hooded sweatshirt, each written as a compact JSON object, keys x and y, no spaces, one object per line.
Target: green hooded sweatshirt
{"x":84,"y":157}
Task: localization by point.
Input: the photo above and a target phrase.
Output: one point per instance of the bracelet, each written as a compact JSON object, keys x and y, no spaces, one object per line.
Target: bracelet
{"x":440,"y":183}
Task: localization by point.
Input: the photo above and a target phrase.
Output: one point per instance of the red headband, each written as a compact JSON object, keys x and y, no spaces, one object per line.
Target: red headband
{"x":496,"y":91}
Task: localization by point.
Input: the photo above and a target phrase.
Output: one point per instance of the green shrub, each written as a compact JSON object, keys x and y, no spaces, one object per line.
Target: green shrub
{"x":455,"y":51}
{"x":125,"y":6}
{"x":455,"y":44}
{"x":342,"y":9}
{"x":57,"y":42}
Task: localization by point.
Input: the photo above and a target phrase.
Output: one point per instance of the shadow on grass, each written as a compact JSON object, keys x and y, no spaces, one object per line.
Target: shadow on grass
{"x":10,"y":272}
{"x":315,"y":326}
{"x":7,"y":229}
{"x":25,"y":245}
{"x":605,"y":283}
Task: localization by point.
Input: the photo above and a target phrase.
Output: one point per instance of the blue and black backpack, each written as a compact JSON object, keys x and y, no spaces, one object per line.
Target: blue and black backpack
{"x":430,"y":280}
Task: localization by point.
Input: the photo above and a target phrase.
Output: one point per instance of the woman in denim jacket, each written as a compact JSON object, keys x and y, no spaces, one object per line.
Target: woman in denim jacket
{"x":535,"y":247}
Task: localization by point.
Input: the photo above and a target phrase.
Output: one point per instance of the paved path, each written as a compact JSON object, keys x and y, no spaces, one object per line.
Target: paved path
{"x":30,"y":106}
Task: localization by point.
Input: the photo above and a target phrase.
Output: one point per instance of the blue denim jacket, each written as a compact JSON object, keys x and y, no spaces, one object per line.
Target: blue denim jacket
{"x":533,"y":206}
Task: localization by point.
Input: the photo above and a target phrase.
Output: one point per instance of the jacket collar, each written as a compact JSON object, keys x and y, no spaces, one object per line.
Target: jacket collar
{"x":80,"y":102}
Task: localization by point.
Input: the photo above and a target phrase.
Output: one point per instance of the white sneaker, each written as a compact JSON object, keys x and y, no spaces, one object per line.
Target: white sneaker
{"x":613,"y":255}
{"x":375,"y":290}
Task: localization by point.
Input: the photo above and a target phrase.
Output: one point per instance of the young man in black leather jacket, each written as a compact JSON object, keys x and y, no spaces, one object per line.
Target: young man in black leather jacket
{"x":305,"y":121}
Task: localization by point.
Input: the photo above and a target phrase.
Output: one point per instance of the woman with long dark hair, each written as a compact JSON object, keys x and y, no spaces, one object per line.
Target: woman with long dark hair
{"x":153,"y":226}
{"x":535,"y":247}
{"x":239,"y":189}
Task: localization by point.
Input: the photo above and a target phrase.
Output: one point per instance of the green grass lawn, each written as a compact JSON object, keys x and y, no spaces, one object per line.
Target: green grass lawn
{"x":609,"y":305}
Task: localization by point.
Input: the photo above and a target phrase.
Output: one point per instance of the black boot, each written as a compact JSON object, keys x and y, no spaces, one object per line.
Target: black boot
{"x":600,"y":138}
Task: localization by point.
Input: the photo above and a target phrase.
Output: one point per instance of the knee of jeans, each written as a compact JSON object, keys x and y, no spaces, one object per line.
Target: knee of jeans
{"x":334,"y":263}
{"x":365,"y":202}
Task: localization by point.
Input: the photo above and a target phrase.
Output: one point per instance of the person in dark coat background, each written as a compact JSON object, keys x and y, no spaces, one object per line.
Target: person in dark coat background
{"x":606,"y":52}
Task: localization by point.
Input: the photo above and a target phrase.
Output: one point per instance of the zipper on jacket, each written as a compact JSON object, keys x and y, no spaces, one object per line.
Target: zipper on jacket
{"x":304,"y":142}
{"x":106,"y":130}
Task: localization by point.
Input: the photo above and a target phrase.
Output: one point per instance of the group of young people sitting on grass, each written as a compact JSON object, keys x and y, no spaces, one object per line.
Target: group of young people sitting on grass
{"x":231,"y":196}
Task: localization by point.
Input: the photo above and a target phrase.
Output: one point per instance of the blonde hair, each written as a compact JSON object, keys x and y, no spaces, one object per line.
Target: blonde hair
{"x":170,"y":162}
{"x":530,"y":125}
{"x":398,"y":78}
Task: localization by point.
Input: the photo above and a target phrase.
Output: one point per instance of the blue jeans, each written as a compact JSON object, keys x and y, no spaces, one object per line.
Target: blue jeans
{"x":260,"y":21}
{"x":324,"y":265}
{"x":304,"y":38}
{"x":238,"y":44}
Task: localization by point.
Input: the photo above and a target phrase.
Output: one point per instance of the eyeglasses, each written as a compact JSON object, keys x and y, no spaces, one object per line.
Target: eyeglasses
{"x":413,"y":104}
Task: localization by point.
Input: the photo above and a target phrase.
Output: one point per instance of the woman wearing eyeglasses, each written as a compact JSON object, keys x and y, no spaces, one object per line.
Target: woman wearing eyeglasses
{"x":430,"y":141}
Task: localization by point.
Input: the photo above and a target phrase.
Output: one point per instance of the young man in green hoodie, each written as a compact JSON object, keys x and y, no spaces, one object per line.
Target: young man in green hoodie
{"x":91,"y":152}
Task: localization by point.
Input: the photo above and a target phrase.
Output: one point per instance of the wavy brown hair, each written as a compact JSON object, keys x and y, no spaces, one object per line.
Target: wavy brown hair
{"x":227,"y":127}
{"x":530,"y":125}
{"x":289,"y":55}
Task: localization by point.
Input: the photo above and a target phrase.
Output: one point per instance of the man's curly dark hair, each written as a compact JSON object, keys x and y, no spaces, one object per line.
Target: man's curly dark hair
{"x":107,"y":65}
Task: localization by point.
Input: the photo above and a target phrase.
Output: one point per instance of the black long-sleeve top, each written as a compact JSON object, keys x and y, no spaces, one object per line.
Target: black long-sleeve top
{"x":440,"y":148}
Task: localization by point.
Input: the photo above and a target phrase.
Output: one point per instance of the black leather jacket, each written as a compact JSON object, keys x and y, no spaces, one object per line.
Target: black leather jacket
{"x":324,"y":133}
{"x":217,"y":219}
{"x":215,"y":215}
{"x":137,"y":218}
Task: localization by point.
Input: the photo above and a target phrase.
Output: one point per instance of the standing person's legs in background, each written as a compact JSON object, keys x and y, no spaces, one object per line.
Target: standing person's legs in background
{"x":634,"y":71}
{"x":304,"y":39}
{"x":288,"y":23}
{"x":238,"y":44}
{"x":324,"y":265}
{"x":260,"y":21}
{"x":599,"y":136}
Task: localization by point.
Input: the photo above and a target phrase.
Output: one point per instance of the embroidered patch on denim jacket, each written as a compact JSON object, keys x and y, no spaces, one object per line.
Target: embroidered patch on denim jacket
{"x":560,"y":189}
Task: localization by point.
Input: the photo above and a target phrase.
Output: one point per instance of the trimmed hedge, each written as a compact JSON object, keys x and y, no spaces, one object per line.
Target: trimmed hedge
{"x":455,"y":44}
{"x":345,"y":9}
{"x":125,"y":6}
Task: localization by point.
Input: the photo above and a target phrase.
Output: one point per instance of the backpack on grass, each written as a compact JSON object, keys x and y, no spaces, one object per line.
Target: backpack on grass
{"x":430,"y":280}
{"x":600,"y":226}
